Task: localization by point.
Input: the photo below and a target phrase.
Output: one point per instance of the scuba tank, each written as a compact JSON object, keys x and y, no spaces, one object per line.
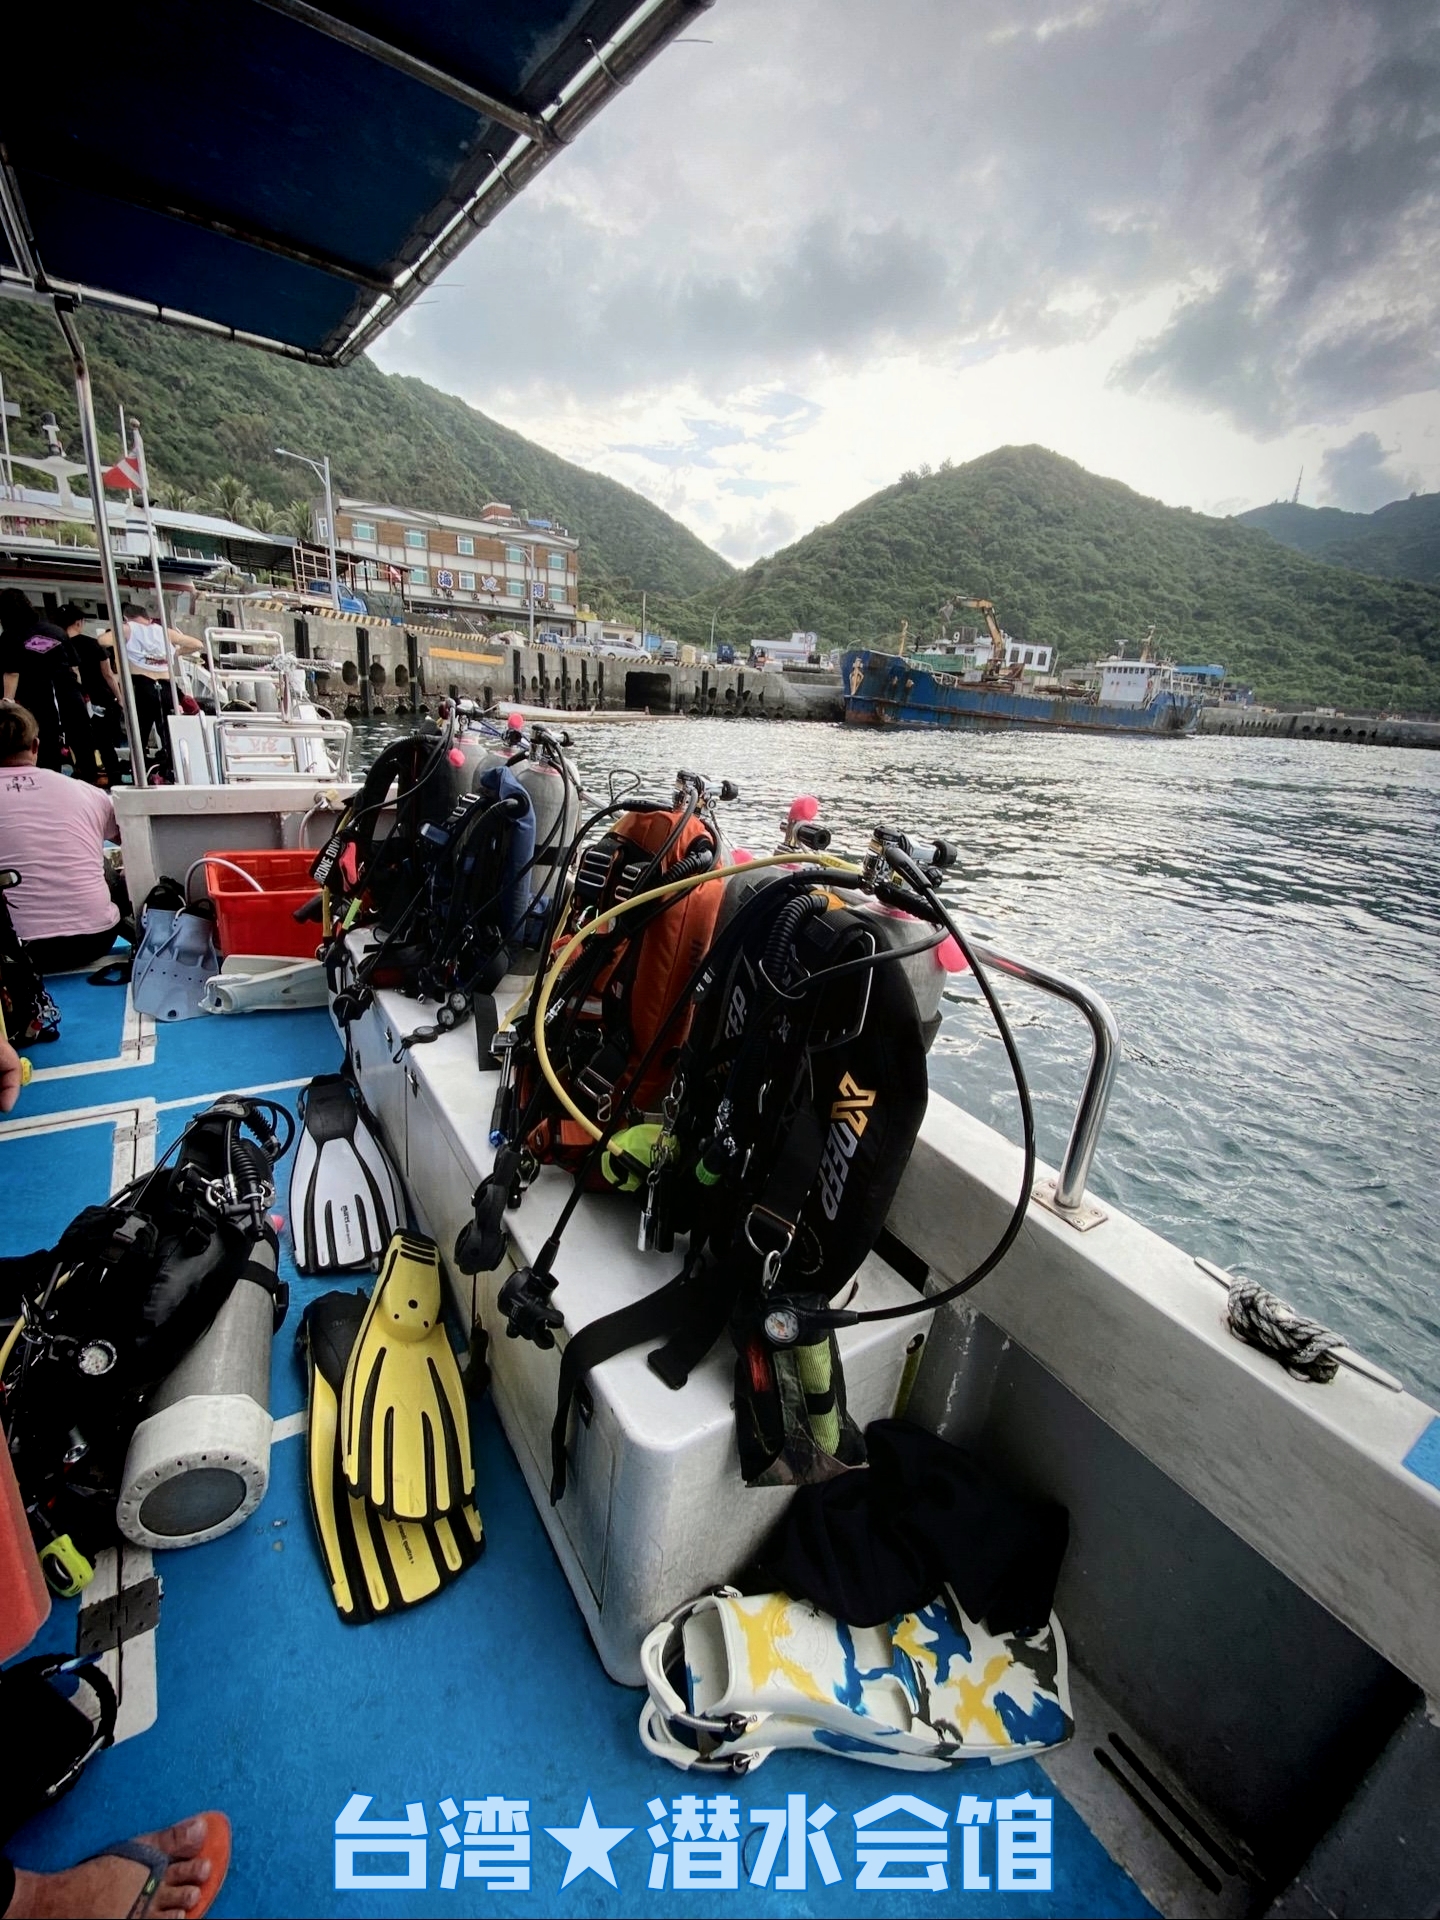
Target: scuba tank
{"x":621,"y":995}
{"x":461,"y":886}
{"x":539,"y":763}
{"x":796,"y":1086}
{"x":199,"y":1461}
{"x":104,"y":1317}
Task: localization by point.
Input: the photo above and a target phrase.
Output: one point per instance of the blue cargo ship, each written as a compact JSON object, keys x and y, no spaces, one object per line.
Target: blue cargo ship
{"x":895,"y":690}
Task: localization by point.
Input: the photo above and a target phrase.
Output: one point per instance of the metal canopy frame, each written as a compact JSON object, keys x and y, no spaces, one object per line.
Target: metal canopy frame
{"x":443,"y":232}
{"x":478,"y":191}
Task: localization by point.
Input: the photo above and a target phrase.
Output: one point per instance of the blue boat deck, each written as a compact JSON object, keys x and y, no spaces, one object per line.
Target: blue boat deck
{"x":273,"y":1711}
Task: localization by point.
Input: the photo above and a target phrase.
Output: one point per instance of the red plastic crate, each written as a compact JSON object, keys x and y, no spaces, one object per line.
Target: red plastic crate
{"x":248,"y":921}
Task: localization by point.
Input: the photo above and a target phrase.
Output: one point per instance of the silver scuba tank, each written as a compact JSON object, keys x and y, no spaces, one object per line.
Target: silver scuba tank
{"x":199,"y":1462}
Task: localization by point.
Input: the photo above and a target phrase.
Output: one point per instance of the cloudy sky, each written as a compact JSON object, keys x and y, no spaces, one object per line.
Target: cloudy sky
{"x":1190,"y":243}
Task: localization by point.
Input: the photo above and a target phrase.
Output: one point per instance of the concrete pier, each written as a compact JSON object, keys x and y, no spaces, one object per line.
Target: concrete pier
{"x":1359,"y":729}
{"x":388,"y":669}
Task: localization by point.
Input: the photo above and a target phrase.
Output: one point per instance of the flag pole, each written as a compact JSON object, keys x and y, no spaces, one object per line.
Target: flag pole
{"x":139,"y":452}
{"x":90,"y":440}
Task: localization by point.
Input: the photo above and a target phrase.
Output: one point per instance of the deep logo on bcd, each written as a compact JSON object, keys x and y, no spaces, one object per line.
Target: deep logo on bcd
{"x":849,"y":1116}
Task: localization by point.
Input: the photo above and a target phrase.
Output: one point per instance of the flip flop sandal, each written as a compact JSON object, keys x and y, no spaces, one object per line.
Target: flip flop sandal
{"x":216,"y":1845}
{"x":732,"y":1677}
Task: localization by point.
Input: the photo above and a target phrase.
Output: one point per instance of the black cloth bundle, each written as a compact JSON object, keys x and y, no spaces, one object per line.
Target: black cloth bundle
{"x":885,"y":1538}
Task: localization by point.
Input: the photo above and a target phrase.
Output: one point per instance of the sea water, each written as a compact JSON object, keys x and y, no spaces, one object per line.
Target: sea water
{"x":1262,"y":918}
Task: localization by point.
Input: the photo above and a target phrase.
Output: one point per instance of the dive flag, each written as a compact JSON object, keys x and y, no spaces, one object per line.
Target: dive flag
{"x":124,"y":473}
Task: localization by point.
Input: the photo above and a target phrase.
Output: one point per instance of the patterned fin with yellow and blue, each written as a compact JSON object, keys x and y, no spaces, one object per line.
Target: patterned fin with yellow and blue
{"x":732,"y":1677}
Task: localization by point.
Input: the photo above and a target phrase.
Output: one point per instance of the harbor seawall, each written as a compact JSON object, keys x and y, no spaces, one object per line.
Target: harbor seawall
{"x":387,"y":669}
{"x":1358,"y":729}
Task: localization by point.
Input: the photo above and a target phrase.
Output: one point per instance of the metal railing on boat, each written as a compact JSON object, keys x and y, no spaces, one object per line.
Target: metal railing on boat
{"x":1066,"y":1197}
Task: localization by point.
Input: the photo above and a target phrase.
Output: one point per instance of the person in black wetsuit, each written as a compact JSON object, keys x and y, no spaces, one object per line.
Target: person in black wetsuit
{"x":100,"y":684}
{"x":39,"y":671}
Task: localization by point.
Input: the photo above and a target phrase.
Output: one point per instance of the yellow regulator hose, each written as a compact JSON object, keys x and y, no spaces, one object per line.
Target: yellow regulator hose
{"x":673,"y":890}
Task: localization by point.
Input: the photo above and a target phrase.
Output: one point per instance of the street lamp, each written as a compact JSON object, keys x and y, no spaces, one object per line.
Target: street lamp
{"x":713,"y":618}
{"x":321,"y":470}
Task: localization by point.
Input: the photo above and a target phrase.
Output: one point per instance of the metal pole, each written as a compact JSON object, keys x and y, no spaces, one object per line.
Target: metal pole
{"x":1099,"y":1078}
{"x":330,"y":538}
{"x":642,"y":619}
{"x":5,"y":436}
{"x":713,"y":618}
{"x":155,"y":565}
{"x":84,"y":401}
{"x":530,"y":591}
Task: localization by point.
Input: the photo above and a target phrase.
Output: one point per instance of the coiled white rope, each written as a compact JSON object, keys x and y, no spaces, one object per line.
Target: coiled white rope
{"x":1303,"y":1347}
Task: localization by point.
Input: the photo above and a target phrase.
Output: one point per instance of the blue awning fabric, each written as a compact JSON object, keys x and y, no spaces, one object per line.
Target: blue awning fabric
{"x":291,"y":174}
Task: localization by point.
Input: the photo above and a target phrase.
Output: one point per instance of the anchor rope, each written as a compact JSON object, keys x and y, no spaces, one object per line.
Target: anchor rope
{"x":1303,"y":1347}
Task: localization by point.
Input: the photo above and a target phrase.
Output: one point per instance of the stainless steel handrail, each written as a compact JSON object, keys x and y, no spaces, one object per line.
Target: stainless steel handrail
{"x":1099,"y":1078}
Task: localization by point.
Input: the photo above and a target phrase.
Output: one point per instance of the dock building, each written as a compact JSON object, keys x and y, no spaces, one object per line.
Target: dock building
{"x":503,"y":565}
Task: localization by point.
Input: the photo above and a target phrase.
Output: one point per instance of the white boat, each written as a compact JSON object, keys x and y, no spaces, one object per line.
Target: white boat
{"x":577,"y":716}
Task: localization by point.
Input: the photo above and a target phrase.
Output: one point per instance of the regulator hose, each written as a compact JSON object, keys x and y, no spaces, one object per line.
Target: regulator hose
{"x":672,"y":889}
{"x":811,"y":1321}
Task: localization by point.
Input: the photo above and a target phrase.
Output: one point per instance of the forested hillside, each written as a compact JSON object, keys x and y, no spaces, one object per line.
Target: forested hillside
{"x":1079,"y":563}
{"x":211,"y":411}
{"x":1401,"y":541}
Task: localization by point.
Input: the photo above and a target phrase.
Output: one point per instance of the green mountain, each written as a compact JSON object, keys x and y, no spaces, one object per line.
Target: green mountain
{"x":209,"y":408}
{"x":1401,"y":541}
{"x":1078,"y":562}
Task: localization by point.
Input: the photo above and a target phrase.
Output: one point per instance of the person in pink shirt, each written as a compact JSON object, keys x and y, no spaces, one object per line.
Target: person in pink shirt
{"x":53,"y":832}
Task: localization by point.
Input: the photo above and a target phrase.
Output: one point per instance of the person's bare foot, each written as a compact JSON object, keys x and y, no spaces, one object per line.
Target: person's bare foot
{"x":106,"y":1888}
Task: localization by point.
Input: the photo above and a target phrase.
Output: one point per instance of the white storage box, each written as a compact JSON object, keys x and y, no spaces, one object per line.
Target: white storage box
{"x":655,"y":1510}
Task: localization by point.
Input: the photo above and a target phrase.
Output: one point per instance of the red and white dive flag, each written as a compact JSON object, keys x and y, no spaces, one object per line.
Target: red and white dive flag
{"x":125,"y":472}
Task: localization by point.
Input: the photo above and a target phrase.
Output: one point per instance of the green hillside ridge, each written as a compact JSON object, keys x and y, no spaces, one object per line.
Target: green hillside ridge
{"x":1079,"y":562}
{"x":211,"y":409}
{"x":1400,"y":541}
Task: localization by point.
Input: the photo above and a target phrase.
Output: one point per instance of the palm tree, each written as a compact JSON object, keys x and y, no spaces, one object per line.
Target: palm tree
{"x":229,"y":495}
{"x":296,"y":519}
{"x":261,"y":515}
{"x":175,"y":499}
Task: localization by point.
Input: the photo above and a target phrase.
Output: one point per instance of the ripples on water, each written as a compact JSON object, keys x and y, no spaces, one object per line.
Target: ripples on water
{"x":1262,"y":918}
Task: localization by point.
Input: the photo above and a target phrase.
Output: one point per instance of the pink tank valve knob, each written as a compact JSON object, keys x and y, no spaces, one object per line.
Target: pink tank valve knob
{"x":949,"y":956}
{"x":805,"y":808}
{"x":516,"y":723}
{"x":277,"y":1221}
{"x":740,"y":856}
{"x":456,"y":757}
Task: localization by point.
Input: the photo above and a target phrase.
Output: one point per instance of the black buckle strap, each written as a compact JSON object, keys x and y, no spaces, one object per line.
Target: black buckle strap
{"x":658,"y":1313}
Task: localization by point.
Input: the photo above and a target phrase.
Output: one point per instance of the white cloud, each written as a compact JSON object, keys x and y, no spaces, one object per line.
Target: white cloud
{"x":1192,"y":248}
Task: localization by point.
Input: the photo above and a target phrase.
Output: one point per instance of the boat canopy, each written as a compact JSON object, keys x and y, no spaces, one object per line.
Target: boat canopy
{"x":287,"y":174}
